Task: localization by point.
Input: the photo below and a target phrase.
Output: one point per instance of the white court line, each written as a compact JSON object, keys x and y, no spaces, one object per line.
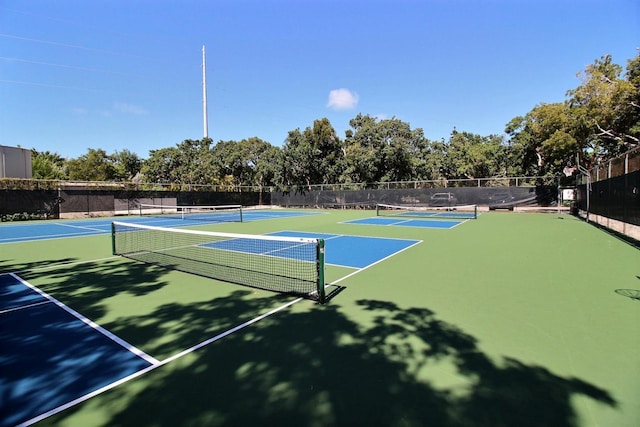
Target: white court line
{"x":28,"y":239}
{"x":88,"y":322}
{"x":396,"y":222}
{"x":338,"y":236}
{"x":373,"y":263}
{"x":24,"y":307}
{"x":193,"y":348}
{"x":101,"y":230}
{"x":156,"y":365}
{"x":304,"y":234}
{"x":87,"y":232}
{"x":62,"y":264}
{"x":460,"y":223}
{"x":402,"y":222}
{"x":230,"y":331}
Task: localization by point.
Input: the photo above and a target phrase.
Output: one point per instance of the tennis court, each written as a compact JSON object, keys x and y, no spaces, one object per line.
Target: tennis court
{"x":508,"y":319}
{"x":89,"y":227}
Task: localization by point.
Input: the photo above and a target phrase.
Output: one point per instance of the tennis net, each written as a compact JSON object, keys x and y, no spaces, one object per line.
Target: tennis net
{"x":448,"y":212}
{"x":221,"y":213}
{"x":291,"y":265}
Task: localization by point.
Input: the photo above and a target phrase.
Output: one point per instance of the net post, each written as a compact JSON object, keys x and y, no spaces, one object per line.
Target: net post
{"x":240,"y":213}
{"x":377,"y":209}
{"x":320,"y":268}
{"x":113,"y":238}
{"x":475,"y":211}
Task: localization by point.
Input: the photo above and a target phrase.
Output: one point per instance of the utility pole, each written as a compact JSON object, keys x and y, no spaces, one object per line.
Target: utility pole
{"x":204,"y":94}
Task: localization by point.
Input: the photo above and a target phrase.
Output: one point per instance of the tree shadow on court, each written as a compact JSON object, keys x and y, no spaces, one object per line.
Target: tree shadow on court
{"x":12,"y":266}
{"x":317,"y":366}
{"x":44,"y":354}
{"x":86,"y":286}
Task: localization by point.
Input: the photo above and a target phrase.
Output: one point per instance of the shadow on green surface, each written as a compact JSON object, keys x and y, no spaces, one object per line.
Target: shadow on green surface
{"x":320,"y":368}
{"x":12,"y":266}
{"x":85,"y":286}
{"x":630,"y":240}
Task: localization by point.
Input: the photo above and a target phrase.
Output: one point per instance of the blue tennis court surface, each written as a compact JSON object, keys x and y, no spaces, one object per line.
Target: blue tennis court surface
{"x":266,"y":247}
{"x":449,"y":214}
{"x":54,"y":229}
{"x":49,"y":356}
{"x":340,"y":250}
{"x":355,"y":251}
{"x":52,"y":356}
{"x":406,"y":222}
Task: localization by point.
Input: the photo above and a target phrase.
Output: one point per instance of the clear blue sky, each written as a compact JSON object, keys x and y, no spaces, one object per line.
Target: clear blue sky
{"x":79,"y":74}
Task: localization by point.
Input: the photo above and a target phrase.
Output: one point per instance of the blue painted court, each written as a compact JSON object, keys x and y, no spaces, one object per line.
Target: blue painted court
{"x":52,"y":229}
{"x":407,"y":222}
{"x":340,"y":250}
{"x":52,"y":356}
{"x":354,"y":251}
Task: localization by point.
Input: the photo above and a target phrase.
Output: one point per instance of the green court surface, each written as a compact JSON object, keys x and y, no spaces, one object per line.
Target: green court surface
{"x":511,"y":319}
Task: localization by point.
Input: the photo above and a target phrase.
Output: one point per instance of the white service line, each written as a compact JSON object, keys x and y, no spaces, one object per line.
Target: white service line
{"x":49,"y":237}
{"x":372,"y":264}
{"x":23,"y":307}
{"x":64,"y":264}
{"x":101,"y":230}
{"x":191,"y":349}
{"x":88,"y":322}
{"x":155,"y":365}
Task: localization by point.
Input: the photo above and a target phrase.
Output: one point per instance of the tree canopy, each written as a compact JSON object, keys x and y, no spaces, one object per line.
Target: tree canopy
{"x":598,"y":120}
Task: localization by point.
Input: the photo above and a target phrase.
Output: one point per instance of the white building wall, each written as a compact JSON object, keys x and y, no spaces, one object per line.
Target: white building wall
{"x":15,"y":162}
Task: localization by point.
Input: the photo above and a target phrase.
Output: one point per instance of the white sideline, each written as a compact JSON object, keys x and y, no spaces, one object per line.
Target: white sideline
{"x":154,"y":366}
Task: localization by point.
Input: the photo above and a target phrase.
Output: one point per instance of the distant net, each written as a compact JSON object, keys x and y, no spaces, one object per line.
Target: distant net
{"x":290,"y":265}
{"x":449,"y":212}
{"x":221,"y":213}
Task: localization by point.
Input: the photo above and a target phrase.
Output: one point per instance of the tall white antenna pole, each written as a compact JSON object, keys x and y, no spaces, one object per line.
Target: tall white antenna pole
{"x":204,"y":94}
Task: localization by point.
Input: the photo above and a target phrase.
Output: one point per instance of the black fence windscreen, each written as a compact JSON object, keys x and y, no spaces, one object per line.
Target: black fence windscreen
{"x":39,"y":202}
{"x":493,"y":197}
{"x":616,"y":198}
{"x":93,"y":201}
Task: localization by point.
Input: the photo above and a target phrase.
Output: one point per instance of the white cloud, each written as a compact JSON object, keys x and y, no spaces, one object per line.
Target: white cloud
{"x":125,"y":108}
{"x":342,"y":99}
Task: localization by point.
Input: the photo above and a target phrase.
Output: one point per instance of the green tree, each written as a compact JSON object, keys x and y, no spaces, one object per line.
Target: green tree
{"x":190,"y":162}
{"x":543,"y":141}
{"x":96,"y":165}
{"x":630,"y":111}
{"x":600,"y":119}
{"x":384,"y":150}
{"x":314,"y":156}
{"x":127,"y":164}
{"x":47,"y":165}
{"x":605,"y":108}
{"x":162,"y":166}
{"x":402,"y":149}
{"x":263,"y":159}
{"x":430,"y":161}
{"x":231,"y":163}
{"x":326,"y":152}
{"x":247,"y":162}
{"x":474,"y":156}
{"x":295,"y":168}
{"x":196,"y":163}
{"x":363,"y":151}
